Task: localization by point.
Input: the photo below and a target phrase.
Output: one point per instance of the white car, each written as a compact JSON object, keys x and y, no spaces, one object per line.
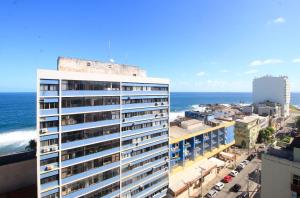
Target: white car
{"x":245,"y":162}
{"x":219,"y":186}
{"x":234,"y":173}
{"x":211,"y":193}
{"x":242,"y":165}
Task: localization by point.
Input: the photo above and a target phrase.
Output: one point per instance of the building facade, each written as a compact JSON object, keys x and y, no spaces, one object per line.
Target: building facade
{"x":274,"y":89}
{"x":199,"y":144}
{"x":246,"y":131}
{"x":103,"y":131}
{"x":280,"y":174}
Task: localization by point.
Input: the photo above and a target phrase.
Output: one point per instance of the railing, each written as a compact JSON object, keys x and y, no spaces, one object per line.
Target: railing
{"x":47,"y":149}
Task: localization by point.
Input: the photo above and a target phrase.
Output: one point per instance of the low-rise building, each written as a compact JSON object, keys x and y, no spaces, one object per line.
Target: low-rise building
{"x":281,"y":172}
{"x":247,"y":130}
{"x":192,"y":141}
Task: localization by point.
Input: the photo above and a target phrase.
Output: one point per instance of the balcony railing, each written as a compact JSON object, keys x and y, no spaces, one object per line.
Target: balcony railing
{"x":47,"y":149}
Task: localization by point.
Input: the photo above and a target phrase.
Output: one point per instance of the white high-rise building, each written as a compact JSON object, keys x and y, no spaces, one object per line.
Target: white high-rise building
{"x":103,"y":131}
{"x":274,"y":89}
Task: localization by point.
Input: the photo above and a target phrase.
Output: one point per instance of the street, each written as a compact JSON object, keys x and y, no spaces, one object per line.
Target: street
{"x":242,"y":179}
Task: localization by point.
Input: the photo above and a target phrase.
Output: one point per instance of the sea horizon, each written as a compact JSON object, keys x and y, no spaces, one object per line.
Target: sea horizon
{"x":16,"y":105}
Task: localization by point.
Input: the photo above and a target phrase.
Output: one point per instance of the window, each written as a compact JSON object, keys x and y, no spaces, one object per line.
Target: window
{"x":296,"y":180}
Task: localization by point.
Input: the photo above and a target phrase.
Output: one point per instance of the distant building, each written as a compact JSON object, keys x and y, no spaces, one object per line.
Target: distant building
{"x":103,"y":131}
{"x":247,"y":130}
{"x":280,"y":175}
{"x":273,"y":89}
{"x":268,"y":108}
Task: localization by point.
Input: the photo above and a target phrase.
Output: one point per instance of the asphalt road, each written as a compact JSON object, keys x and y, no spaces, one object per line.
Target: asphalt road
{"x":242,"y":179}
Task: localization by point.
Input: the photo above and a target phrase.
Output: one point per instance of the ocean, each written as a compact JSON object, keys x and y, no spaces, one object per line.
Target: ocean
{"x":18,"y":110}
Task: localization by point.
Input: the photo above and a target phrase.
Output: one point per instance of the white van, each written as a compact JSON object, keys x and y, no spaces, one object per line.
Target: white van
{"x":219,"y":186}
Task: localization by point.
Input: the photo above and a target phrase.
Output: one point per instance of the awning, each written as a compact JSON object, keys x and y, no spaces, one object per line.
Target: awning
{"x":190,"y":175}
{"x":227,"y":155}
{"x":217,"y":161}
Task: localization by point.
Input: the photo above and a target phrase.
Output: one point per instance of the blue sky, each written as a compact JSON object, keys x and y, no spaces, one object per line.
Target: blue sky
{"x":206,"y":45}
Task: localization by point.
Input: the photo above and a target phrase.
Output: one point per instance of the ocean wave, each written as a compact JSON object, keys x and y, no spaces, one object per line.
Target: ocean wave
{"x":174,"y":115}
{"x":16,"y":139}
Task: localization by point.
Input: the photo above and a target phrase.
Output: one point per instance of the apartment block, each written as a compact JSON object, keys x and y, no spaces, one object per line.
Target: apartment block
{"x":280,"y":175}
{"x":192,"y":140}
{"x":273,"y":89}
{"x":103,"y":131}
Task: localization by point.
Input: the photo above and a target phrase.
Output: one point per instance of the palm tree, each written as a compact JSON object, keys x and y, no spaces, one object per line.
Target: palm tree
{"x":31,"y":146}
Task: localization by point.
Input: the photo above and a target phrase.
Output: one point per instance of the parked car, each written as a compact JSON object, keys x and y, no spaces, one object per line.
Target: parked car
{"x":227,"y":179}
{"x":243,"y":195}
{"x":242,"y":165}
{"x":245,"y":162}
{"x":211,"y":193}
{"x":250,"y":157}
{"x":234,"y":173}
{"x":238,"y":169}
{"x":235,"y":188}
{"x":219,"y":186}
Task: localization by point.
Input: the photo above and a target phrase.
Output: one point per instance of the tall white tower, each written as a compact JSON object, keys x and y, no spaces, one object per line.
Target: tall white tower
{"x":274,"y":89}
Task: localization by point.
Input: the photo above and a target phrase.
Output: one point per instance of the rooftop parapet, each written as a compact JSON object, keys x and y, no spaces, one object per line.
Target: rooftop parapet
{"x":92,"y":66}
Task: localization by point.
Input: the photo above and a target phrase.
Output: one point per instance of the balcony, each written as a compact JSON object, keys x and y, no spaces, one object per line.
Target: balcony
{"x":89,"y":157}
{"x":143,"y":130}
{"x":129,"y":93}
{"x":161,"y":194}
{"x":90,"y":172}
{"x":88,"y":141}
{"x":86,"y":125}
{"x":48,"y":149}
{"x":49,"y":192}
{"x":144,"y":105}
{"x":48,"y":93}
{"x":144,"y":117}
{"x":89,"y":109}
{"x":49,"y":174}
{"x":144,"y":168}
{"x":143,"y":155}
{"x":48,"y":130}
{"x":147,"y":179}
{"x":90,"y":93}
{"x":152,"y":189}
{"x":175,"y":149}
{"x":93,"y":187}
{"x":47,"y":112}
{"x":187,"y":144}
{"x":48,"y":167}
{"x":198,"y":141}
{"x":49,"y":185}
{"x":145,"y":142}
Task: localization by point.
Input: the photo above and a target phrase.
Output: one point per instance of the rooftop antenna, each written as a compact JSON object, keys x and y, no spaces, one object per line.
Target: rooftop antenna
{"x":109,"y":54}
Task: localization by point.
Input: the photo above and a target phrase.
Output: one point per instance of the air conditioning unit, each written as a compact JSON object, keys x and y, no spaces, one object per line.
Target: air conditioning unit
{"x":162,"y":103}
{"x":45,"y":130}
{"x":156,"y":104}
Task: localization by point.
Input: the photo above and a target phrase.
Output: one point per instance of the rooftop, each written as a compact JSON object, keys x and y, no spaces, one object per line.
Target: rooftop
{"x":93,"y":66}
{"x":247,"y":119}
{"x":193,"y":127}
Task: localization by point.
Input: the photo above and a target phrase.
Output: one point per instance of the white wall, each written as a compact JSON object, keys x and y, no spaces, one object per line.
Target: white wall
{"x":275,"y":89}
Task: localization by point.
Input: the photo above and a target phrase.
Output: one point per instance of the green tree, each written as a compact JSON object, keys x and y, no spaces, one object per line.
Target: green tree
{"x":31,"y":146}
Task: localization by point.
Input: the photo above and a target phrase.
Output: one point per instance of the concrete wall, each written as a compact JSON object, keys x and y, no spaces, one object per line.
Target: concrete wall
{"x":17,"y":175}
{"x":277,"y":176}
{"x":80,"y":65}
